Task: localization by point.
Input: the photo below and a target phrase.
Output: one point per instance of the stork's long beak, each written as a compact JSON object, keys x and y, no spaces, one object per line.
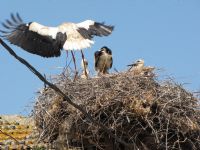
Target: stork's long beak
{"x":131,"y":65}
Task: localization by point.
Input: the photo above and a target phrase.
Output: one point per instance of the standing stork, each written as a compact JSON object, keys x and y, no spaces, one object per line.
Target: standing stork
{"x":47,"y":41}
{"x":103,"y":60}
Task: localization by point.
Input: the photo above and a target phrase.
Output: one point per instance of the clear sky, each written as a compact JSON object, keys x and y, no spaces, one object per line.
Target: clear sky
{"x":165,"y":33}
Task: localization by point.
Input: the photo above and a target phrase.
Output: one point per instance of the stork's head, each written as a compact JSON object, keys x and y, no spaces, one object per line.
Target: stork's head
{"x":139,"y":62}
{"x":106,"y":50}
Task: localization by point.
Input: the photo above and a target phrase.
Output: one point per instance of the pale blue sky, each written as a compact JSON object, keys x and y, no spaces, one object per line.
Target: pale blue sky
{"x":165,"y":33}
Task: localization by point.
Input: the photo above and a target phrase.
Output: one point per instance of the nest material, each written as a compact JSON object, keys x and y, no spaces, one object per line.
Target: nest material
{"x":138,"y":110}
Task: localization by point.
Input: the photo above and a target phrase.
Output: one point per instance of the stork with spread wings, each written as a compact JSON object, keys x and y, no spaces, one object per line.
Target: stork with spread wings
{"x":47,"y":41}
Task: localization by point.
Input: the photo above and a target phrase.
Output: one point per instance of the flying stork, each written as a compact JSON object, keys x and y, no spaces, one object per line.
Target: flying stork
{"x":103,"y":60}
{"x":47,"y":41}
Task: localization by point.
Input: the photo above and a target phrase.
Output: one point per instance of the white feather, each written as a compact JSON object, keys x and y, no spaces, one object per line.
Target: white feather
{"x":85,"y":24}
{"x":43,"y":30}
{"x":78,"y":45}
{"x":66,"y":45}
{"x":70,"y":47}
{"x":75,"y":45}
{"x":35,"y":27}
{"x":81,"y":44}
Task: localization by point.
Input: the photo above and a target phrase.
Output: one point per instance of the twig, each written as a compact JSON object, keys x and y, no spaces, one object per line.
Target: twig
{"x":13,"y":138}
{"x":64,"y":96}
{"x":154,"y":131}
{"x":166,"y":136}
{"x":9,"y":136}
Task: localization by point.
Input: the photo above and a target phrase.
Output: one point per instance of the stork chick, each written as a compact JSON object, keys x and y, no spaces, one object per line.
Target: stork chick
{"x":137,"y":67}
{"x":103,"y":60}
{"x":85,"y":72}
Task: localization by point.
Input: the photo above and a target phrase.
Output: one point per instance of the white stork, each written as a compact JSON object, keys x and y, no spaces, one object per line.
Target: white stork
{"x":103,"y":60}
{"x":137,"y":67}
{"x":47,"y":41}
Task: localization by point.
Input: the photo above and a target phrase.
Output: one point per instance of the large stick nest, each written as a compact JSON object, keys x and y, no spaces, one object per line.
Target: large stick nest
{"x":136,"y":108}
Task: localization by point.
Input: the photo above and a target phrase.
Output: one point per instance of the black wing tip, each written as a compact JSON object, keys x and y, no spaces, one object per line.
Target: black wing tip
{"x":5,"y":25}
{"x":4,"y":32}
{"x":14,"y":20}
{"x":12,"y":23}
{"x":3,"y":36}
{"x":19,"y":18}
{"x":103,"y":29}
{"x":110,"y":27}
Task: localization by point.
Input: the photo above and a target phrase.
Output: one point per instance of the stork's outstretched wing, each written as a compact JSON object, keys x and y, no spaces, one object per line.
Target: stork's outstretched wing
{"x":19,"y":33}
{"x":80,"y":35}
{"x":90,"y":28}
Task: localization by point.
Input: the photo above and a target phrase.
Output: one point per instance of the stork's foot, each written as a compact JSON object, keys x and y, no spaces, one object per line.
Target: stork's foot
{"x":75,"y":76}
{"x":101,"y":74}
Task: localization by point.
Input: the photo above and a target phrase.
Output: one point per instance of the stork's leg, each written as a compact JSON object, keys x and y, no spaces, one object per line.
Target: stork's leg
{"x":74,"y":60}
{"x":84,"y":64}
{"x":66,"y":65}
{"x":67,"y":55}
